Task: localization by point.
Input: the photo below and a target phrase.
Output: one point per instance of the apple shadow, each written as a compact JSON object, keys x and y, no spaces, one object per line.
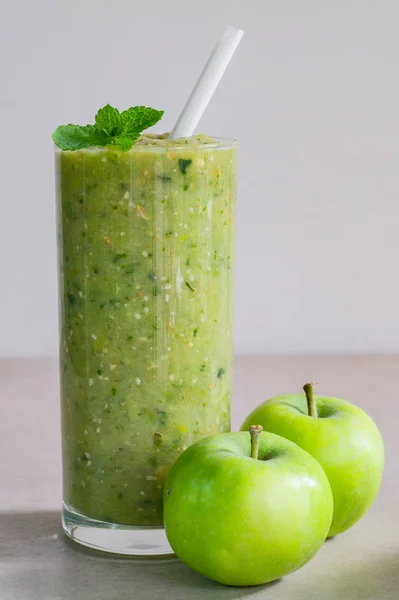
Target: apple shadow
{"x":38,"y":563}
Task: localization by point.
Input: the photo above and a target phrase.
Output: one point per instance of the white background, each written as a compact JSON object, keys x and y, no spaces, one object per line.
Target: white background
{"x":313,"y":97}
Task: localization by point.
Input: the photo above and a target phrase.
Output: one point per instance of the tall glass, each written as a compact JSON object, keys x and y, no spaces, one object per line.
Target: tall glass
{"x":146,"y":295}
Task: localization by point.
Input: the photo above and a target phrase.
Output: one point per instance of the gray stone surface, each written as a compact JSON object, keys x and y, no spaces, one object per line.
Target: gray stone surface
{"x":37,"y":563}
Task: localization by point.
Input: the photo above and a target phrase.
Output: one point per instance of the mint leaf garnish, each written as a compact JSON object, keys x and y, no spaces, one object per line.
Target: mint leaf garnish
{"x":125,"y":142}
{"x":112,"y":128}
{"x":109,"y":120}
{"x":138,"y":118}
{"x":75,"y":137}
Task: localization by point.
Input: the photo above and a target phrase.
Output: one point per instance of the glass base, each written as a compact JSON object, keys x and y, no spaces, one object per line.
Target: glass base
{"x":143,"y":542}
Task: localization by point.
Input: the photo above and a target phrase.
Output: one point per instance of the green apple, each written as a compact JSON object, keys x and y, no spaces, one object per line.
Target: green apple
{"x":245,"y":509}
{"x":341,"y":436}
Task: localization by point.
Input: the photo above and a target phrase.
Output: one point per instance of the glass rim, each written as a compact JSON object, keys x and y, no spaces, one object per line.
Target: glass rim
{"x":218,"y":143}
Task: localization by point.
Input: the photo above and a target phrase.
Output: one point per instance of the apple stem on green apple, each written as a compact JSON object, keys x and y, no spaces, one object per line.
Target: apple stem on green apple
{"x":310,"y":399}
{"x":255,"y":433}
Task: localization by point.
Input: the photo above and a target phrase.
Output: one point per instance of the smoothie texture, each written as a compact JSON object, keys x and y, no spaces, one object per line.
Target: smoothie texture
{"x":146,"y":304}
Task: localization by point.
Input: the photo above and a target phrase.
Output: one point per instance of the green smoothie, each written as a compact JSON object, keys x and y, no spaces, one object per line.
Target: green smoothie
{"x":146,"y":280}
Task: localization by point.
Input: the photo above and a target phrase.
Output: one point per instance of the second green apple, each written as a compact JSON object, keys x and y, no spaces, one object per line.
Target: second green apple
{"x":343,"y":439}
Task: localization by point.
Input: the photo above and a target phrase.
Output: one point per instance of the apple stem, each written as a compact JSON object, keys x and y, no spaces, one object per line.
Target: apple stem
{"x":255,"y":433}
{"x":312,"y":407}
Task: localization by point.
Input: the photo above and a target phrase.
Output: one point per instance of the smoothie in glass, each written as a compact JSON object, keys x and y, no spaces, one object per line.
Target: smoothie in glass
{"x":146,"y":296}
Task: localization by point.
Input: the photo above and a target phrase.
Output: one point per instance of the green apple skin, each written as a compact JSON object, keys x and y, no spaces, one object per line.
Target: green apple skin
{"x":343,"y":439}
{"x":243,"y":521}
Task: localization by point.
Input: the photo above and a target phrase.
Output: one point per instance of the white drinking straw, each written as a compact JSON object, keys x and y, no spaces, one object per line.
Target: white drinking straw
{"x":207,"y":83}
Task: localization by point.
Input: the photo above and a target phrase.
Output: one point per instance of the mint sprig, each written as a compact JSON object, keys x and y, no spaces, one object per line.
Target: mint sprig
{"x":111,"y":128}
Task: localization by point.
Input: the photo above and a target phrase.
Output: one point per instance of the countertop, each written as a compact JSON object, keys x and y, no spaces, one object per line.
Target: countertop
{"x":37,"y":563}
